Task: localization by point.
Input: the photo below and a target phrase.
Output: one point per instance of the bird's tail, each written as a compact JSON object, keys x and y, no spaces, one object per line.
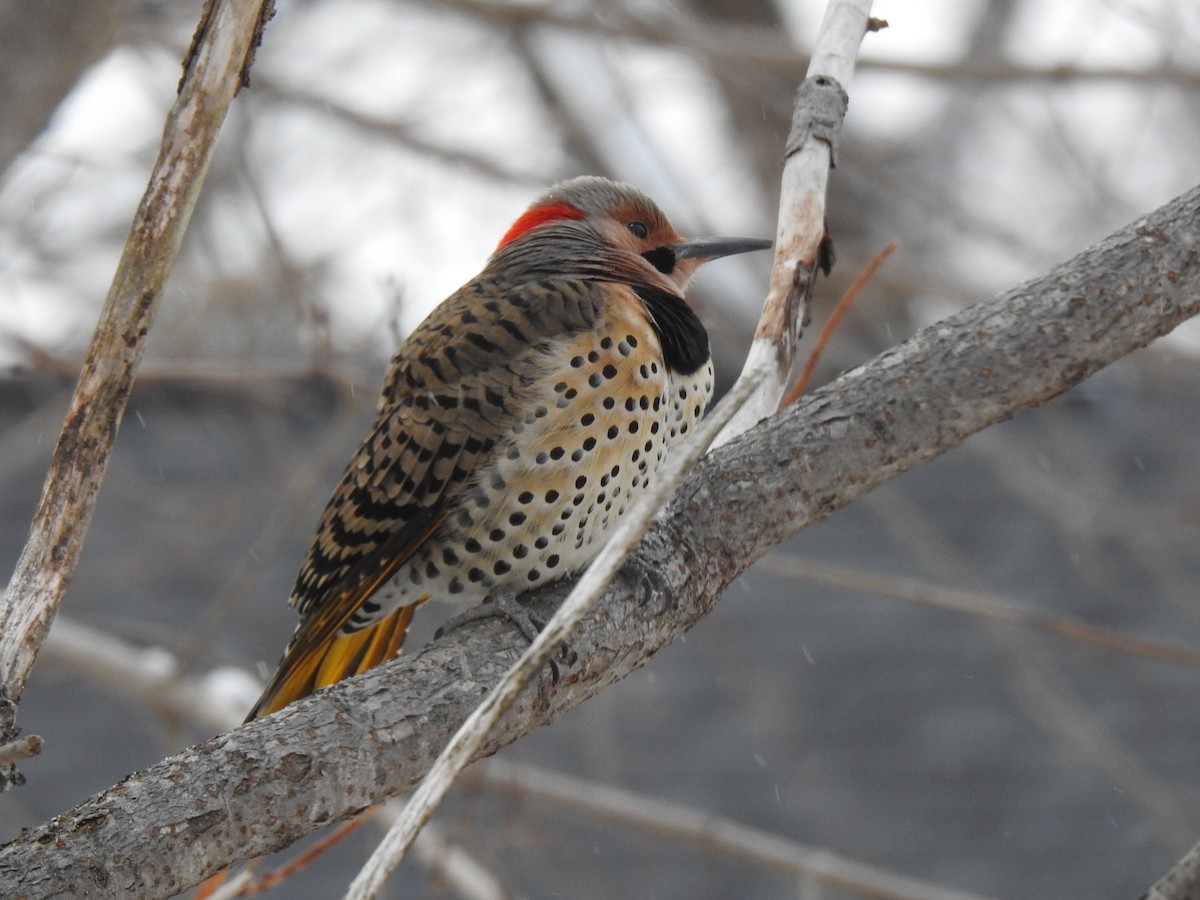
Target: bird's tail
{"x":308,"y":666}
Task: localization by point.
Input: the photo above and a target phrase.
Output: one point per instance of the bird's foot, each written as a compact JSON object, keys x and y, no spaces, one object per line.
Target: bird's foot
{"x":647,"y":583}
{"x":498,"y":606}
{"x":507,"y":607}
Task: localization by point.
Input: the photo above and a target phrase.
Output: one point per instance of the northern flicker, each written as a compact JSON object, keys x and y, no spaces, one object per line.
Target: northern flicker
{"x":517,"y":425}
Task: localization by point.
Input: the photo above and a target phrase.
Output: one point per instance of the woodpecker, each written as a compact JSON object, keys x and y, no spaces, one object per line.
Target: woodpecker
{"x":516,"y":426}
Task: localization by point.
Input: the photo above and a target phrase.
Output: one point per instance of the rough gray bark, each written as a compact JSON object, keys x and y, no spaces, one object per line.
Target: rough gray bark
{"x":1182,"y":882}
{"x":266,"y":784}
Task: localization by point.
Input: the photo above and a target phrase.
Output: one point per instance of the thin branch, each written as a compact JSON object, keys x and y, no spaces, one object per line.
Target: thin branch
{"x":977,"y":603}
{"x":452,"y":866}
{"x":1049,"y":698}
{"x":395,"y":132}
{"x":216,"y":700}
{"x":755,"y":47}
{"x":712,"y":833}
{"x":22,"y":748}
{"x":237,"y":886}
{"x":215,"y":68}
{"x":276,"y":877}
{"x":327,"y":757}
{"x":206,"y":374}
{"x":833,"y":322}
{"x":1086,"y":742}
{"x":1004,"y":74}
{"x":810,"y":153}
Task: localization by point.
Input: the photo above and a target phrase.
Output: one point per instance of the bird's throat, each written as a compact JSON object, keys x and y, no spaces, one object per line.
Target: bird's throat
{"x":680,"y":331}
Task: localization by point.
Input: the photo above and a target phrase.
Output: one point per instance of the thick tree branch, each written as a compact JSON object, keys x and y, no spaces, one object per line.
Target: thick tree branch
{"x":1182,"y":882}
{"x":266,"y":784}
{"x":214,"y":70}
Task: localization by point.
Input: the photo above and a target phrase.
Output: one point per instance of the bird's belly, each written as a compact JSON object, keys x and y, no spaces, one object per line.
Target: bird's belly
{"x":593,"y":435}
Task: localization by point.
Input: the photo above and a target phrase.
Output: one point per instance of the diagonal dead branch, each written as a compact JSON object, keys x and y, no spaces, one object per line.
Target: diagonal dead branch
{"x":214,"y":70}
{"x":715,"y":834}
{"x":979,"y":604}
{"x":800,"y":385}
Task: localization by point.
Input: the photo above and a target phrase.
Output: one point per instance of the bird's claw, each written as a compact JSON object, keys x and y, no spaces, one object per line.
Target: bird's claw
{"x":647,"y":582}
{"x":507,"y":607}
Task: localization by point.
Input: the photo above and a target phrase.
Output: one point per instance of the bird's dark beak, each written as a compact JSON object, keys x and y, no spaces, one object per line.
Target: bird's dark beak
{"x":716,"y":247}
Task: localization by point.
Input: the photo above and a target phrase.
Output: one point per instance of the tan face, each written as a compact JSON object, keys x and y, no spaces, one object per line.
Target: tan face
{"x":614,"y":230}
{"x":647,"y":233}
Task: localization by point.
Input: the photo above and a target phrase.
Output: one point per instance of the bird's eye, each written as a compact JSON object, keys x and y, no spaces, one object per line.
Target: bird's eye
{"x":639,"y":229}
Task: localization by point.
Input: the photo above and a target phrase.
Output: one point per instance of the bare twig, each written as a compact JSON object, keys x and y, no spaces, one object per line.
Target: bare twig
{"x":711,"y":832}
{"x":452,"y":865}
{"x":22,"y":748}
{"x":151,"y":674}
{"x":1087,"y":742}
{"x":831,"y":324}
{"x":214,"y":70}
{"x":395,"y":132}
{"x":206,"y":374}
{"x":979,"y":604}
{"x":236,"y":886}
{"x":276,"y":877}
{"x":1049,"y":698}
{"x":810,"y":153}
{"x":755,"y":47}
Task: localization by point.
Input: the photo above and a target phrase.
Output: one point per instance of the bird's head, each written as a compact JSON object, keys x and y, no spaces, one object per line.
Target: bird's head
{"x":603,"y":230}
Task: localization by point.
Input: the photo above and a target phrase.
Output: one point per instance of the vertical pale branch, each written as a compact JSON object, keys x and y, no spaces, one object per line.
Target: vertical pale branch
{"x":810,"y":153}
{"x":842,"y":32}
{"x":215,"y":68}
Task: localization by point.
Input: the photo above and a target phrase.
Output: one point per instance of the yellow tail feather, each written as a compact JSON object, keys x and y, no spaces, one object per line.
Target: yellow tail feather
{"x":305,"y":669}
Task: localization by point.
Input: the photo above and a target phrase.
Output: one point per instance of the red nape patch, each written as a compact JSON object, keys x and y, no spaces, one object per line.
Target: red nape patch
{"x":539,"y":215}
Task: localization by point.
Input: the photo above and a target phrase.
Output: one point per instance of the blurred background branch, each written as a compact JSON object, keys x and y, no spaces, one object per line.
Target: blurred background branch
{"x":214,"y":69}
